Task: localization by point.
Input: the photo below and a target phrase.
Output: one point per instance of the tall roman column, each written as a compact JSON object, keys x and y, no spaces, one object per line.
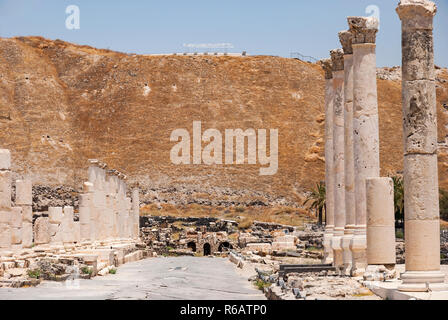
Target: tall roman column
{"x":346,"y":39}
{"x":337,"y":58}
{"x":329,"y":172}
{"x":421,"y":190}
{"x":365,"y":128}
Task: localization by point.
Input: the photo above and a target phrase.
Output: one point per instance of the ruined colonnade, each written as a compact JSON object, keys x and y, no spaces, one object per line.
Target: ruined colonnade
{"x":362,"y":235}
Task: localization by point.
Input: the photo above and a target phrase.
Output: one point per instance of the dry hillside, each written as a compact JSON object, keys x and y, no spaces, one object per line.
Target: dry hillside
{"x":61,"y":104}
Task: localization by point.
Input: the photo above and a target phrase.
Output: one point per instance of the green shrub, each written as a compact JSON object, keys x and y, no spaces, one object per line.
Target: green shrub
{"x":399,"y":234}
{"x":260,"y":284}
{"x":86,"y":270}
{"x":34,"y":273}
{"x":113,"y":271}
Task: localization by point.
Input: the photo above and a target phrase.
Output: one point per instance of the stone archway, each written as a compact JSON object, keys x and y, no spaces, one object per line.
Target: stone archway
{"x":224,"y":246}
{"x":192,"y":246}
{"x":207,"y":249}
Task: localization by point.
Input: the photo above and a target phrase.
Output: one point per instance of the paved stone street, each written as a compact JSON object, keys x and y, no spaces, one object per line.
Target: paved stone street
{"x":158,"y":278}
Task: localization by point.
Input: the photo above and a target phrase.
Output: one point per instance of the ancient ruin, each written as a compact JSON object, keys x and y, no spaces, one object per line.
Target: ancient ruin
{"x":107,"y":219}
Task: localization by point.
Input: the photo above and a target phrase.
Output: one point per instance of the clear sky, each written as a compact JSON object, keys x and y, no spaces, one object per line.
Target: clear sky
{"x":257,"y":26}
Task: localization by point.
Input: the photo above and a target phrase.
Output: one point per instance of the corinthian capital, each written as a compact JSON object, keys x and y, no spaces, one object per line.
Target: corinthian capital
{"x":364,"y":29}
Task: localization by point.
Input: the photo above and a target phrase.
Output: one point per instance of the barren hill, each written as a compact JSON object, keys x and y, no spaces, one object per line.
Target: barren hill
{"x":61,"y":104}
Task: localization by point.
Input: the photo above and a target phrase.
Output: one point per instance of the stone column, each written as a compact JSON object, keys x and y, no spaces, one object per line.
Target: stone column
{"x":346,"y":38}
{"x":93,"y":173}
{"x":55,"y":217}
{"x":329,"y":170}
{"x":421,"y":191}
{"x":85,"y":205}
{"x":136,"y":213}
{"x":68,"y":226}
{"x":5,"y":199}
{"x":129,"y":218}
{"x":16,"y":228}
{"x":380,"y":227}
{"x":365,"y":128}
{"x":337,"y":58}
{"x":103,"y":221}
{"x":24,"y":199}
{"x":110,"y":195}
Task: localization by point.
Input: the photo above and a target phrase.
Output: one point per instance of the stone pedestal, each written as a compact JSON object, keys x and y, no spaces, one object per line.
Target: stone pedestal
{"x":422,"y":225}
{"x":337,"y":57}
{"x":346,"y":39}
{"x":329,"y":170}
{"x":365,"y":128}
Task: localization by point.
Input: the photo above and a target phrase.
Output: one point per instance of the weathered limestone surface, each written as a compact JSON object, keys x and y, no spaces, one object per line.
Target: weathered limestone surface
{"x":422,"y":226}
{"x":135,"y":213}
{"x":380,"y":221}
{"x":42,"y":231}
{"x":5,"y":199}
{"x":24,"y":199}
{"x":337,"y":57}
{"x":346,"y":38}
{"x":329,"y":170}
{"x":365,"y":128}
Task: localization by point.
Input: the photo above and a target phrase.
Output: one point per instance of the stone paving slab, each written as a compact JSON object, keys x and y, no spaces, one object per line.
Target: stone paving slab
{"x":151,"y":279}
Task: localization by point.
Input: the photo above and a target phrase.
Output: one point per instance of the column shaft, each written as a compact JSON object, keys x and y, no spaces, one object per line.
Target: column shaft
{"x":421,"y":202}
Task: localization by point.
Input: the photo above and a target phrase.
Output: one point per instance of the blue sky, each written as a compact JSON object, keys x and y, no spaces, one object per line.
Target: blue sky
{"x":256,"y":26}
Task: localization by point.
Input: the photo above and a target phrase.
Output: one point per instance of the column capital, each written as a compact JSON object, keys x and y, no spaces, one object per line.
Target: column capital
{"x":337,"y":59}
{"x":417,"y":14}
{"x":102,"y":165}
{"x":346,"y":39}
{"x":328,"y":68}
{"x":364,"y":29}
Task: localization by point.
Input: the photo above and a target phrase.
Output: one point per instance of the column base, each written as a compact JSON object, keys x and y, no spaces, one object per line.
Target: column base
{"x":338,"y":260}
{"x":423,"y":281}
{"x":346,"y":254}
{"x":358,"y":245}
{"x":328,"y":251}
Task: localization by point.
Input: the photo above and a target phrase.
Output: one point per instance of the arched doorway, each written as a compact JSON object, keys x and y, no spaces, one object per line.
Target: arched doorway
{"x":224,"y":246}
{"x":192,"y":246}
{"x":207,"y":249}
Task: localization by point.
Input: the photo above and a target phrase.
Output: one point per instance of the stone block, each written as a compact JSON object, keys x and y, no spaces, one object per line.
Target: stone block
{"x":42,"y":230}
{"x":5,"y":236}
{"x":24,"y":193}
{"x":5,"y":216}
{"x":5,"y":189}
{"x":16,"y":217}
{"x":55,"y":215}
{"x":27,"y":234}
{"x":16,"y":236}
{"x":77,"y":231}
{"x":27,"y":214}
{"x":5,"y":159}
